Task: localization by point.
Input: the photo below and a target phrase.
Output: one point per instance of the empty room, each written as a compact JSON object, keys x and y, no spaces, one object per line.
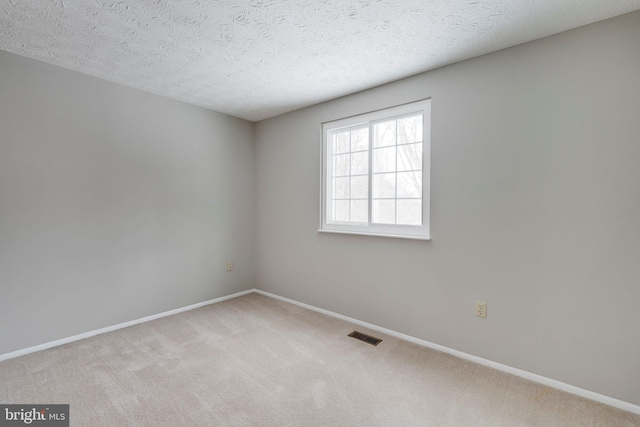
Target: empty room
{"x":320,"y":213}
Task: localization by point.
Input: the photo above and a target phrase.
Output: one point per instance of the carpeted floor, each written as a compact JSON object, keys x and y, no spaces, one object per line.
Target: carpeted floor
{"x":256,"y":361}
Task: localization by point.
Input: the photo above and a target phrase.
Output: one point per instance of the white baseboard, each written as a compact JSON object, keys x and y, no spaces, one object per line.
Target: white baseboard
{"x":118,"y":326}
{"x":626,"y":406}
{"x":620,"y":404}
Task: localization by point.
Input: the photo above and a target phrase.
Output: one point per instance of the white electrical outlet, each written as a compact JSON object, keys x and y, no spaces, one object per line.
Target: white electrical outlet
{"x":481,"y":309}
{"x":229,"y":265}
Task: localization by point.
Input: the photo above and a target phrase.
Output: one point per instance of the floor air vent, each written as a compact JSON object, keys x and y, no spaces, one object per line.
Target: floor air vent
{"x":366,"y":338}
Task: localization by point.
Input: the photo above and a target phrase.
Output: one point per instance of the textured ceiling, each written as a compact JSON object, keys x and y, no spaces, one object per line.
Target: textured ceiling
{"x":258,"y":58}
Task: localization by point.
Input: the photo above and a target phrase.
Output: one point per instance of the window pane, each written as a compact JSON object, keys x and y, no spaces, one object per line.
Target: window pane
{"x":410,"y":129}
{"x":340,"y":142}
{"x":410,"y":212}
{"x":384,"y":133}
{"x":359,"y":211}
{"x":341,"y":210}
{"x":384,"y":159}
{"x":360,"y":187}
{"x":360,"y":163}
{"x":360,"y":139}
{"x":384,"y":185}
{"x":384,"y":211}
{"x":341,"y":188}
{"x":341,"y":165}
{"x":373,"y":170}
{"x":410,"y":157}
{"x":410,"y":184}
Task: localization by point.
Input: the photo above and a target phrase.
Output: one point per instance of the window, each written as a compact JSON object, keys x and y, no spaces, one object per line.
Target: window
{"x":376,"y":173}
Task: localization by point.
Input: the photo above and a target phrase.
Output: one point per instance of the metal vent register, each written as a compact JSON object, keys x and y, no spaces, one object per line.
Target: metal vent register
{"x":365,"y":338}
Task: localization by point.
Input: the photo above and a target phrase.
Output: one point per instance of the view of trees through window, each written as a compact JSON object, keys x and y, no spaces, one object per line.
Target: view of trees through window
{"x":385,"y":155}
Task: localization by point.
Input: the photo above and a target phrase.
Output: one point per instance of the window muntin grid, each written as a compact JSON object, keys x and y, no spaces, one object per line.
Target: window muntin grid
{"x":375,"y":173}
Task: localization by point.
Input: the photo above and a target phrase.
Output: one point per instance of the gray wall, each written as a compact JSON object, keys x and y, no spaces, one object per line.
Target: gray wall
{"x":115,"y":204}
{"x":535,"y":209}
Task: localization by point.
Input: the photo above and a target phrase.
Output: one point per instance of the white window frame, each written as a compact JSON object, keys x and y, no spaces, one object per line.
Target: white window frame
{"x":421,"y":232}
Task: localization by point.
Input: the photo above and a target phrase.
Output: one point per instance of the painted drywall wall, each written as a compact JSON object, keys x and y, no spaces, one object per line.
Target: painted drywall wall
{"x":115,"y":204}
{"x":535,"y":209}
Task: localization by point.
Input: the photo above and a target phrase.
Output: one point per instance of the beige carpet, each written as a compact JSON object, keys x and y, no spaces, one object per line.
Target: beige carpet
{"x":256,"y":361}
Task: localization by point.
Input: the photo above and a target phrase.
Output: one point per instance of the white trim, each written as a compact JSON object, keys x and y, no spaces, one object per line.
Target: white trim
{"x":620,"y":404}
{"x":84,"y":335}
{"x":362,"y":233}
{"x":368,"y":120}
{"x":378,"y":115}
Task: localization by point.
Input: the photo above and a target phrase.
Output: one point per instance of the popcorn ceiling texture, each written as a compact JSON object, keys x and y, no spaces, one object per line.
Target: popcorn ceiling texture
{"x":258,"y":58}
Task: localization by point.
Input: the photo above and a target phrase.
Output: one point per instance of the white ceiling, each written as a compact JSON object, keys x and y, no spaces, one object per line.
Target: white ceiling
{"x":259,"y":58}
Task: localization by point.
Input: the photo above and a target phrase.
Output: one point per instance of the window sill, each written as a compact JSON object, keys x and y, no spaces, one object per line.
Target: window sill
{"x":394,"y":236}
